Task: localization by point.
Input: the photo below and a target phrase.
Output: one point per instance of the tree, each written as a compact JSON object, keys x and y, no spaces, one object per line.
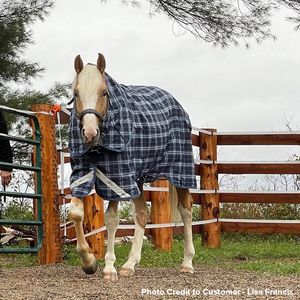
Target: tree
{"x":225,"y":22}
{"x":16,"y":17}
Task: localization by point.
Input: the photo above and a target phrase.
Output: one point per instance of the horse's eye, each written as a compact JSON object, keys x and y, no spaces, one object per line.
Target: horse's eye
{"x":105,"y":93}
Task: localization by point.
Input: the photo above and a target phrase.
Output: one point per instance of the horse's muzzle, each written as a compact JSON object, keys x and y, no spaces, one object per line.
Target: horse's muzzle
{"x":89,"y":139}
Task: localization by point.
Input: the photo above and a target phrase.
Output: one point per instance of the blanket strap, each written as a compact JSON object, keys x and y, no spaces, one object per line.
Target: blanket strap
{"x":83,"y":179}
{"x":113,"y":186}
{"x":109,"y":183}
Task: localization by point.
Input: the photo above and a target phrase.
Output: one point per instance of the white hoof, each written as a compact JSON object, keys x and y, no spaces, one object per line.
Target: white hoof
{"x":126,"y":272}
{"x":110,"y":276}
{"x":187,"y":269}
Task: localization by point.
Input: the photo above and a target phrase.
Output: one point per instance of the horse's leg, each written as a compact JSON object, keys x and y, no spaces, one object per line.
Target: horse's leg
{"x":111,"y":223}
{"x":88,"y":261}
{"x":140,"y":219}
{"x":185,"y":205}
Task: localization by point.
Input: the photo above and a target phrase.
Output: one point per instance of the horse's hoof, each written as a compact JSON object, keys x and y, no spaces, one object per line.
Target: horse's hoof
{"x":125,"y":272}
{"x":187,"y":269}
{"x":110,"y":276}
{"x":92,"y":268}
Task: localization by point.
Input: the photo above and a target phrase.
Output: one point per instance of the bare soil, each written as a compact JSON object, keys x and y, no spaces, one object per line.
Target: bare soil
{"x":67,"y":282}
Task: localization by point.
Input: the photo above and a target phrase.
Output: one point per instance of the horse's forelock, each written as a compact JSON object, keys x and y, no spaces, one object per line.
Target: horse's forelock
{"x":89,"y":80}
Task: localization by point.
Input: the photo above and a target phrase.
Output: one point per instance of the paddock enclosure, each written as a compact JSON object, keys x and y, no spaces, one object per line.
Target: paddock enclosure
{"x":59,"y":281}
{"x":163,"y":223}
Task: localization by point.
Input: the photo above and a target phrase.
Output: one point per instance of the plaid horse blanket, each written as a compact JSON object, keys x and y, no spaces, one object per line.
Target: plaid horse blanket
{"x":146,"y":135}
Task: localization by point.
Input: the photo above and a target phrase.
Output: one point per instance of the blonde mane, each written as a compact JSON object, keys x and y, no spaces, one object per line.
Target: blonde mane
{"x":89,"y":81}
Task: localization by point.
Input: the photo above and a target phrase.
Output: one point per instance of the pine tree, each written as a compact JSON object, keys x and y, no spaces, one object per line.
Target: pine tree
{"x":16,"y":17}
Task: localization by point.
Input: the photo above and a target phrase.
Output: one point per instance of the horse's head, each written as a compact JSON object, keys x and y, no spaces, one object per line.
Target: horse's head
{"x":91,"y":97}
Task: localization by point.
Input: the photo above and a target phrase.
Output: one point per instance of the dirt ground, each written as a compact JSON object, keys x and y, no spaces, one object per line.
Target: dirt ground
{"x":67,"y":282}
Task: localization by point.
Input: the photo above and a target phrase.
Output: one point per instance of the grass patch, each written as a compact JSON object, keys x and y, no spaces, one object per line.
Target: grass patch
{"x":284,"y":267}
{"x":11,"y":261}
{"x":274,"y":254}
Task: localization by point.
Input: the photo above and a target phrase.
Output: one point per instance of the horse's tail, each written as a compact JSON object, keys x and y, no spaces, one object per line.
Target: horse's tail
{"x":175,"y":215}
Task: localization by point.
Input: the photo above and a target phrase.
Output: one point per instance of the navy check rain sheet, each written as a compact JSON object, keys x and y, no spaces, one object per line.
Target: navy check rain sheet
{"x":146,"y":135}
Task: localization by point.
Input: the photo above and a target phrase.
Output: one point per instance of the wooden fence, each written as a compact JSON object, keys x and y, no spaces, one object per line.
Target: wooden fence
{"x":216,"y":167}
{"x":208,"y":196}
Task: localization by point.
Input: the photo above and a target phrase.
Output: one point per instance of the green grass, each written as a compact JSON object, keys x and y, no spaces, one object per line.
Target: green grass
{"x":12,"y":261}
{"x":277,"y":254}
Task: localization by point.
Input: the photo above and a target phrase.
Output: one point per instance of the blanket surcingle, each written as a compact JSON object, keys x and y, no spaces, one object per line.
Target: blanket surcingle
{"x":145,"y":135}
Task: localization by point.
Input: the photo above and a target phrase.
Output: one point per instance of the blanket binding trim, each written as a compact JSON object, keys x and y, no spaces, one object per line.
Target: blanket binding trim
{"x":108,"y":182}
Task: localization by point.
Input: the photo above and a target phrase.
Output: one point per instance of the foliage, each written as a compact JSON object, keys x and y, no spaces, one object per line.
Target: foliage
{"x":273,"y":254}
{"x":70,"y":256}
{"x":15,"y":261}
{"x":260,"y":211}
{"x":15,"y":17}
{"x":125,"y":211}
{"x":18,"y":210}
{"x":284,"y":211}
{"x":225,"y":22}
{"x":196,"y":212}
{"x":262,"y":254}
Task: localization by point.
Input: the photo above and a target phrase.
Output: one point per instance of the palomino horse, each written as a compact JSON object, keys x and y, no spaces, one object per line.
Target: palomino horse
{"x":120,"y":137}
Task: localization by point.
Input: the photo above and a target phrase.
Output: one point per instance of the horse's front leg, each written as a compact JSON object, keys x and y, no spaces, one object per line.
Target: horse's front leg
{"x":185,"y":205}
{"x":140,"y":212}
{"x":111,"y":223}
{"x":88,"y":261}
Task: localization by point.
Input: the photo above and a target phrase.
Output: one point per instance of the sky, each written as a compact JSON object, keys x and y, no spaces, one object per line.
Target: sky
{"x":232,"y":89}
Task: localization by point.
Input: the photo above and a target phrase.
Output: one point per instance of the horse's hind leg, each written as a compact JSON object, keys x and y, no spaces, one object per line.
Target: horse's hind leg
{"x":185,"y":205}
{"x":88,"y":261}
{"x":140,"y":219}
{"x":111,"y":223}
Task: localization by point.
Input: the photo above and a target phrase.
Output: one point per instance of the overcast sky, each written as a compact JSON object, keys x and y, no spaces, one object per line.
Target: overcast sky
{"x":232,"y":89}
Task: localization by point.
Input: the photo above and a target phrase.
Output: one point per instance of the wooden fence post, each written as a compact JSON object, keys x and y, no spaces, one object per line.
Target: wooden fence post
{"x":93,"y":219}
{"x":51,"y":247}
{"x":162,"y":238}
{"x":209,"y":181}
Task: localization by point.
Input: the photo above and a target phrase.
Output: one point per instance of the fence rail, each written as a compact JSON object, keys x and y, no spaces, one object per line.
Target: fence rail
{"x":209,"y":196}
{"x":219,"y":196}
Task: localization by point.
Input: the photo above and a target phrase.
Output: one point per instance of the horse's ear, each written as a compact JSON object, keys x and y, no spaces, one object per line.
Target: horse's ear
{"x":101,"y":64}
{"x":78,"y":64}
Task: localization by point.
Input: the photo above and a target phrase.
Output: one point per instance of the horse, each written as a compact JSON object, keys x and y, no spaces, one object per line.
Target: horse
{"x":121,"y":137}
